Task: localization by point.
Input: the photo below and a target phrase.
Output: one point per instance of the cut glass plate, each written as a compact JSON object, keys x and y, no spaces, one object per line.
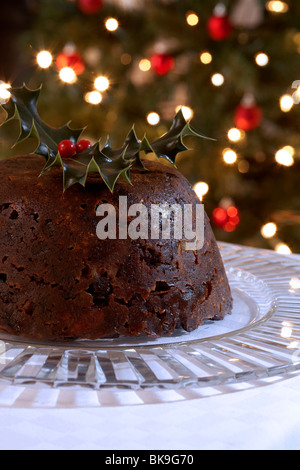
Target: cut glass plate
{"x":261,"y":338}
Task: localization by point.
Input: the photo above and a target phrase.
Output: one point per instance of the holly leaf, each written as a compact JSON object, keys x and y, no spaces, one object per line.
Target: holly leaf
{"x":120,"y":161}
{"x":23,"y":107}
{"x":170,"y":144}
{"x":109,"y":163}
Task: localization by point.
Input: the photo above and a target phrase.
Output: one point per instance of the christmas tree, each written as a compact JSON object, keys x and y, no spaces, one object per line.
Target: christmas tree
{"x":232,"y":67}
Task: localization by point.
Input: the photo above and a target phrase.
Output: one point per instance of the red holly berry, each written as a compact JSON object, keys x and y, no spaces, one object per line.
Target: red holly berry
{"x":66,"y":148}
{"x":82,"y":145}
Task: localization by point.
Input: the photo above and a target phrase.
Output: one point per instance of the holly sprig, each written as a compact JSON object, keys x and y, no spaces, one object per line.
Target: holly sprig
{"x":109,"y":163}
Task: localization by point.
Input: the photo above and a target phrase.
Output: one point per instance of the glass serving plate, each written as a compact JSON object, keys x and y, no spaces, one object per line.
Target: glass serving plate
{"x":261,"y":338}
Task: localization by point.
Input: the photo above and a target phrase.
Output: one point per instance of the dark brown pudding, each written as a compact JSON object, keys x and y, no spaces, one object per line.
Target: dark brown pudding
{"x":58,"y":281}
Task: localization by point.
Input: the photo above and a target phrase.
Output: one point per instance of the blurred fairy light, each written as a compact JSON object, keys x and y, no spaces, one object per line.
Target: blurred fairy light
{"x":243,"y":166}
{"x":296,"y":94}
{"x":283,"y":249}
{"x":101,"y":83}
{"x":67,"y":75}
{"x":285,"y":156}
{"x":153,"y":118}
{"x":192,"y":19}
{"x":269,"y":230}
{"x":290,"y":149}
{"x":229,"y":156}
{"x":93,"y":97}
{"x":217,"y":79}
{"x":235,"y":134}
{"x":144,"y":65}
{"x":4,"y":92}
{"x":262,"y":59}
{"x":206,"y":58}
{"x":187,"y":112}
{"x":44,"y":59}
{"x":286,"y":330}
{"x":111,"y":24}
{"x":295,"y":283}
{"x":286,"y":103}
{"x":201,"y":188}
{"x":277,"y":6}
{"x":126,"y":59}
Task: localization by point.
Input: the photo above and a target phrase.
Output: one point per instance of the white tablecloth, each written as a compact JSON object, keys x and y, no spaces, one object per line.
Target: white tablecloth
{"x":258,"y":415}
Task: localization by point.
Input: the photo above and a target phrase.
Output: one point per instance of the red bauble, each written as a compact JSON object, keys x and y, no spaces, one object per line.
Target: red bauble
{"x":90,"y":7}
{"x":226,"y":218}
{"x":247,"y":117}
{"x":72,"y":60}
{"x":66,"y":148}
{"x":162,"y":63}
{"x":219,"y":27}
{"x":219,"y":217}
{"x":82,"y":145}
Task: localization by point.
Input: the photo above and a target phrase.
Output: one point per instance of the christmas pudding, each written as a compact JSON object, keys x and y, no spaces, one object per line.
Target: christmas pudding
{"x":60,"y":279}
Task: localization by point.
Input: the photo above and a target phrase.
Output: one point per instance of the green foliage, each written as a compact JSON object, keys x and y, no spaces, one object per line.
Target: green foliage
{"x":109,"y":163}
